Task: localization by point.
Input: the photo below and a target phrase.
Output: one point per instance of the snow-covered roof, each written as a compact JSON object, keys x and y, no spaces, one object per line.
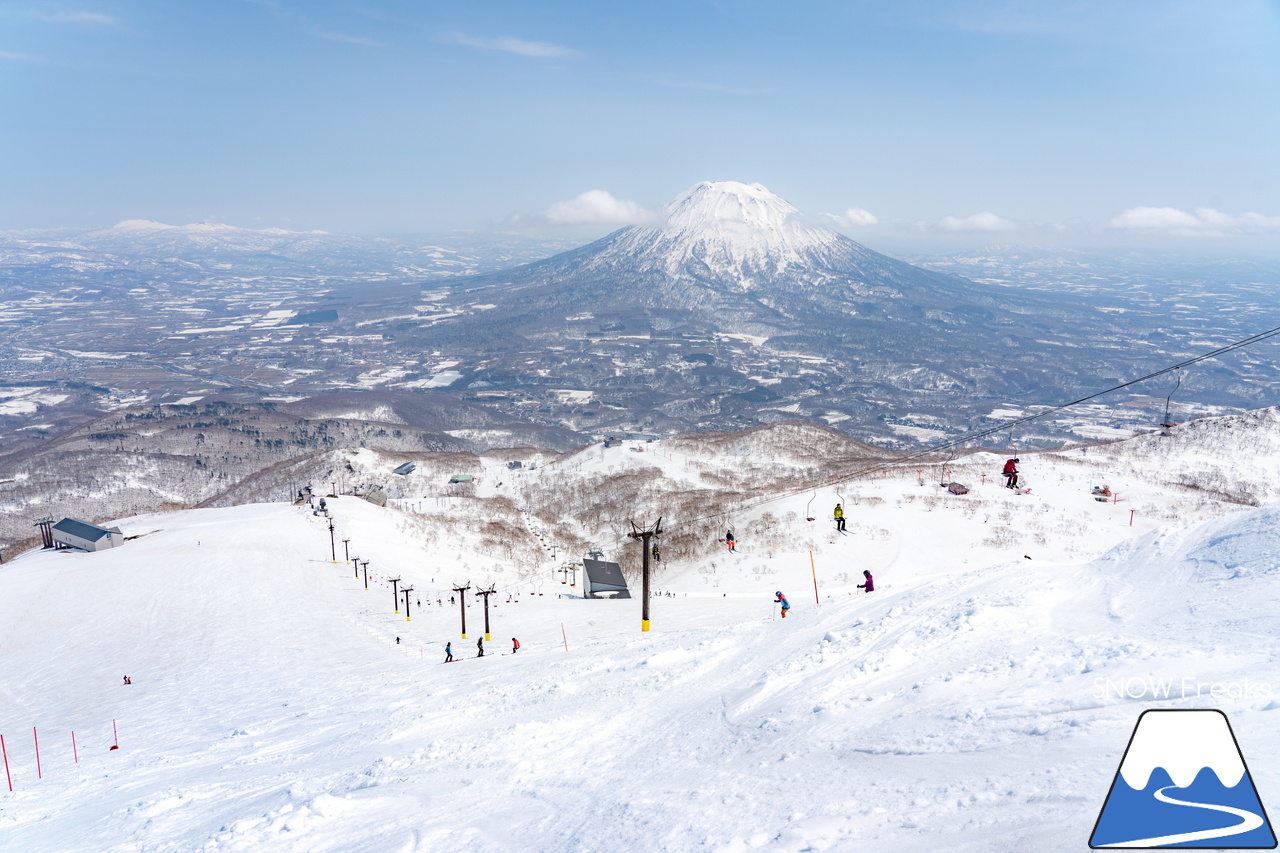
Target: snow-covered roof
{"x":81,"y":529}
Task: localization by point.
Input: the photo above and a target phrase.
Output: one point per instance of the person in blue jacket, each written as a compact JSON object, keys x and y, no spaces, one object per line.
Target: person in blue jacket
{"x":786,"y":605}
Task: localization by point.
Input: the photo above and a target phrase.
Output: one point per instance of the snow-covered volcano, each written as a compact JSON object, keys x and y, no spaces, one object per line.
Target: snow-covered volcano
{"x":730,"y":253}
{"x":734,"y":234}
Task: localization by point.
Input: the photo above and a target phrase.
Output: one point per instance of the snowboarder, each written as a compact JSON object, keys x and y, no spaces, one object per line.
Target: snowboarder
{"x":839,"y":517}
{"x":448,"y":652}
{"x":515,"y":645}
{"x":1011,"y":473}
{"x":397,"y":641}
{"x":870,"y":585}
{"x":782,"y":599}
{"x":128,"y":680}
{"x":480,"y":646}
{"x":728,"y":540}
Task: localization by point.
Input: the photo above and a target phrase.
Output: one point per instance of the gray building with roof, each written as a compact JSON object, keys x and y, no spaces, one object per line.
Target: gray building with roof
{"x":73,"y":533}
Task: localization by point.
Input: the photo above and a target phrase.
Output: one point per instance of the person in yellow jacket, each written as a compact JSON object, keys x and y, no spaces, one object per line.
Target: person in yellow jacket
{"x":839,"y":516}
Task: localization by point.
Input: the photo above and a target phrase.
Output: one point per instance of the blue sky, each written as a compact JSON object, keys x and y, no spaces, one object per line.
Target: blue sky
{"x":992,"y":120}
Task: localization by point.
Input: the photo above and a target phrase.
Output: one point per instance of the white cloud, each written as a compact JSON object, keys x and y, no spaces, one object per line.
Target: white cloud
{"x":985,"y":221}
{"x":597,"y":207}
{"x":854,"y":216}
{"x":344,"y":38}
{"x":1156,"y":219}
{"x":62,"y":17}
{"x":1205,"y":221}
{"x":718,"y":88}
{"x":536,"y":49}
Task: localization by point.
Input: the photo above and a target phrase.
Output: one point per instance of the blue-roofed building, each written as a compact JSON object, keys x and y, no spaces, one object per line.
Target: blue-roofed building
{"x":73,"y":533}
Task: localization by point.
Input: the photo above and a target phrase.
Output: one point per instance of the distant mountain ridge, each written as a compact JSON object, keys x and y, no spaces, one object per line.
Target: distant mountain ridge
{"x":721,"y":242}
{"x":735,"y":258}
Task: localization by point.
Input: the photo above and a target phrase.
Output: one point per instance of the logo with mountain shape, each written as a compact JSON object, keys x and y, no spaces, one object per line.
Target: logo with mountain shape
{"x":1183,"y":783}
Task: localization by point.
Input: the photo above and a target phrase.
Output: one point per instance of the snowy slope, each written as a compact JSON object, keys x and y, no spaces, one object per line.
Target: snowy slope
{"x":977,"y":700}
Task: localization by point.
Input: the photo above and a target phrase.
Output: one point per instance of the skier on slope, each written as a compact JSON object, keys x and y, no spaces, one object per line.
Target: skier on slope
{"x":782,"y":599}
{"x":480,"y":646}
{"x":1011,"y":473}
{"x":448,"y":652}
{"x":515,"y":645}
{"x":839,"y":517}
{"x":870,"y":585}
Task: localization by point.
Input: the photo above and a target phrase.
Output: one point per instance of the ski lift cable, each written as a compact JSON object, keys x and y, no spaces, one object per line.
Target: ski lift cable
{"x":928,"y":451}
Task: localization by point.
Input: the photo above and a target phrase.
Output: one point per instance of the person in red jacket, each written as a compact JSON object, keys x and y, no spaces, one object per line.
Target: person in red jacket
{"x":1011,"y":473}
{"x":515,"y":645}
{"x":870,"y":585}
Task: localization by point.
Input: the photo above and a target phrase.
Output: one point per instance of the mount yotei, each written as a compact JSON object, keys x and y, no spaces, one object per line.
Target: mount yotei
{"x":734,"y":309}
{"x":730,"y":309}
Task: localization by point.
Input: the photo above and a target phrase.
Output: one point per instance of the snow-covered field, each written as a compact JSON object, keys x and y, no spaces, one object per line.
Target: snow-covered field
{"x":980,"y":699}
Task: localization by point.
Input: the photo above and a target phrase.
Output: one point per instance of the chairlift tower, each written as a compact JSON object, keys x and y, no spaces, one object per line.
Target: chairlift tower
{"x":46,"y":531}
{"x":462,"y":602}
{"x":644,"y":536}
{"x":405,"y":592}
{"x":485,"y":593}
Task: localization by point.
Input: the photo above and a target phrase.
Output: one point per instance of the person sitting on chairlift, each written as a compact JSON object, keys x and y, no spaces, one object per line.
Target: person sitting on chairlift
{"x":1011,"y":473}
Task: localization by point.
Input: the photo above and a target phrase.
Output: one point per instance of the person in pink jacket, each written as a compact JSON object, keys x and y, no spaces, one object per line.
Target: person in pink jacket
{"x":870,"y":585}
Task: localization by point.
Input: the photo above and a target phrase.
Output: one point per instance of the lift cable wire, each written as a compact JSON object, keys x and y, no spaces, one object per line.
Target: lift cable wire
{"x":928,"y":451}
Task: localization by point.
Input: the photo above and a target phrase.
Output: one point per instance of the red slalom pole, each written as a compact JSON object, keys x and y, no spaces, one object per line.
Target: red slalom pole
{"x":74,"y":752}
{"x":39,"y":773}
{"x":115,"y":733}
{"x":566,"y":637}
{"x":6,"y":764}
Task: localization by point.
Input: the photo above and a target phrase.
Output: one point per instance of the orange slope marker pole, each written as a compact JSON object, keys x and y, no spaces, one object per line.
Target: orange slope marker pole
{"x":815,"y":579}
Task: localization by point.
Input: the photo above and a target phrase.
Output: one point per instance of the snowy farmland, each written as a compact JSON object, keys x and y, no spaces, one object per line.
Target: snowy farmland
{"x":980,"y":699}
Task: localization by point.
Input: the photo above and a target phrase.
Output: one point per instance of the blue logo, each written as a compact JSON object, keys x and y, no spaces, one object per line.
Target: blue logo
{"x":1183,"y":783}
